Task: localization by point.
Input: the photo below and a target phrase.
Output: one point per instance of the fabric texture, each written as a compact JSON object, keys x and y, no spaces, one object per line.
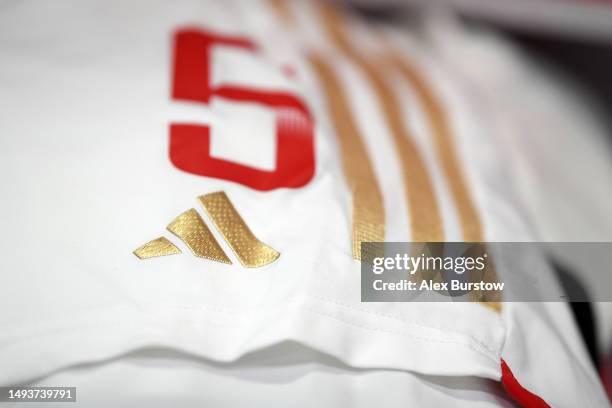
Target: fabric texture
{"x":87,"y":109}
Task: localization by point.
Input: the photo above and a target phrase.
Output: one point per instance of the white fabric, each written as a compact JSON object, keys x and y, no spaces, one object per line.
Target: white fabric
{"x":286,"y":375}
{"x":86,"y":179}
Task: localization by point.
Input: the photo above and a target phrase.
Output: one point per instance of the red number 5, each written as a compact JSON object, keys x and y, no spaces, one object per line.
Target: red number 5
{"x":190,"y":143}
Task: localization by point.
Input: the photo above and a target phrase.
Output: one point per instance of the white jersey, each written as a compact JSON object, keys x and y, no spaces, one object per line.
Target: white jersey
{"x":197,"y":177}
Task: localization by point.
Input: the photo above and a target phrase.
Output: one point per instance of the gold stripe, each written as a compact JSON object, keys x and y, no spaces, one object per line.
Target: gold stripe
{"x":368,"y":209}
{"x":445,"y":148}
{"x":190,"y":228}
{"x":157,"y":247}
{"x":468,"y":216}
{"x":281,"y":8}
{"x":368,"y":213}
{"x":250,"y":251}
{"x":426,"y":222}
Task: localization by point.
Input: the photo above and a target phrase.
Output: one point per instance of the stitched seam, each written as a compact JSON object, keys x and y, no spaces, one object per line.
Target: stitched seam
{"x":57,"y":331}
{"x":403,"y":334}
{"x":116,"y":324}
{"x":480,"y":342}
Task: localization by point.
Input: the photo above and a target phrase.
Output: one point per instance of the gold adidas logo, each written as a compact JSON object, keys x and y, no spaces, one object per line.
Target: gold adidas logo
{"x":190,"y":228}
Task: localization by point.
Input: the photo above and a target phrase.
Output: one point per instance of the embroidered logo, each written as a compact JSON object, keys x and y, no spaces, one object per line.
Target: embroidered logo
{"x":190,"y":228}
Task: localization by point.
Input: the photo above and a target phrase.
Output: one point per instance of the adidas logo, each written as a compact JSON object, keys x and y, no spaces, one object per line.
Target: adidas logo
{"x":190,"y":228}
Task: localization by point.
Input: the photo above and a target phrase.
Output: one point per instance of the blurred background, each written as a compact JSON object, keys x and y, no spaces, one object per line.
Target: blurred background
{"x":573,"y":37}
